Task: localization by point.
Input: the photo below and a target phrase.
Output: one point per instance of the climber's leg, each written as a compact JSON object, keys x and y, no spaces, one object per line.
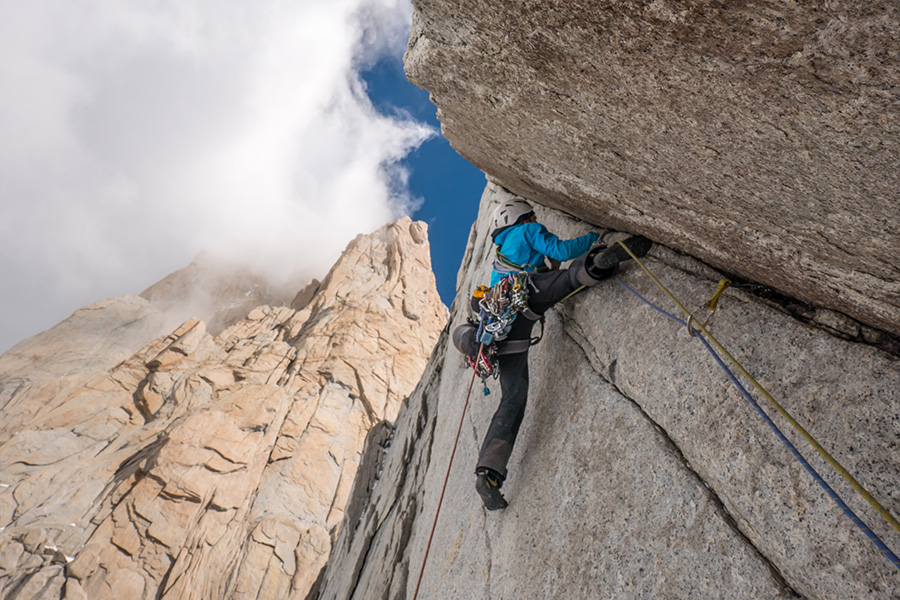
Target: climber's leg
{"x":549,"y":288}
{"x":598,"y":264}
{"x":504,"y":427}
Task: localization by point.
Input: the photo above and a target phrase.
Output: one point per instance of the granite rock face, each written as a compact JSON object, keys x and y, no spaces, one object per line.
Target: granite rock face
{"x":212,"y":467}
{"x":97,"y":337}
{"x":762,"y":138}
{"x":639,"y":471}
{"x":216,"y":291}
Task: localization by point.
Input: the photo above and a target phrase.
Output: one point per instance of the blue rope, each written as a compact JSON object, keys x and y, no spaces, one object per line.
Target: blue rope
{"x":815,"y":475}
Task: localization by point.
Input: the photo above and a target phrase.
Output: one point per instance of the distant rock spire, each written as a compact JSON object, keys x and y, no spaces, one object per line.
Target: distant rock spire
{"x":205,"y":466}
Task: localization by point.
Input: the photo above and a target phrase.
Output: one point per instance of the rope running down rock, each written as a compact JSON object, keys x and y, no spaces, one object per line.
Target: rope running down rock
{"x":799,"y":428}
{"x":444,"y":488}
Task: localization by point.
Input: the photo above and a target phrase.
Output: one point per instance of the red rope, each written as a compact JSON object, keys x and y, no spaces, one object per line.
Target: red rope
{"x":443,"y":489}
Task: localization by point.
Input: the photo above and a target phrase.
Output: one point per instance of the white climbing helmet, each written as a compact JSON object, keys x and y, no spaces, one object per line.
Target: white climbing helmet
{"x":509,"y":212}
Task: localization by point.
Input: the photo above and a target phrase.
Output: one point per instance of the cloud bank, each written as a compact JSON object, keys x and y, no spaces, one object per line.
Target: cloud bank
{"x":136,"y":135}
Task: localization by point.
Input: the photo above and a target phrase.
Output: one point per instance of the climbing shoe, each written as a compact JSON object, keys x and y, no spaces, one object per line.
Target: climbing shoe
{"x":487,"y":484}
{"x":612,"y":256}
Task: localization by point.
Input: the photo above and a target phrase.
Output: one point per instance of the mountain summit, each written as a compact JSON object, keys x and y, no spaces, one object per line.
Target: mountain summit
{"x":202,"y":466}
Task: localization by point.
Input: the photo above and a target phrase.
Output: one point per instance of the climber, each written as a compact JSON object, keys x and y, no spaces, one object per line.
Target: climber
{"x":523,"y":244}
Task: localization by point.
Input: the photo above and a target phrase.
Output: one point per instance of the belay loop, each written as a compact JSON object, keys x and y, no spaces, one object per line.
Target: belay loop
{"x":484,"y":364}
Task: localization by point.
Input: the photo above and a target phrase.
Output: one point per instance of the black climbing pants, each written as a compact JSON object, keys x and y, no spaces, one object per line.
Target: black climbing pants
{"x":501,"y":434}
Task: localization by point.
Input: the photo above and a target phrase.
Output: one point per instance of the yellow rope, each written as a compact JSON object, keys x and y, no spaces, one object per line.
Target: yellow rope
{"x":573,"y":293}
{"x":784,"y":413}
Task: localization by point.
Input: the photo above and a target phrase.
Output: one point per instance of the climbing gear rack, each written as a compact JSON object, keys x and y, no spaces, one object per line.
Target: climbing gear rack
{"x":499,"y":306}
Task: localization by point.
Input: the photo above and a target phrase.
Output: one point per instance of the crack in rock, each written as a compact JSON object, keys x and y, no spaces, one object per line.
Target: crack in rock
{"x":577,"y":336}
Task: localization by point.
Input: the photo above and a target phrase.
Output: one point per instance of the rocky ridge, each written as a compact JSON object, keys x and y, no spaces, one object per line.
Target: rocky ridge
{"x":204,"y":466}
{"x":97,"y":337}
{"x":639,"y":472}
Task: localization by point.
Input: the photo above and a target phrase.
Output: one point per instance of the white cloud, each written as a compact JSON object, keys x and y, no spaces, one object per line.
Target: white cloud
{"x":135,"y":135}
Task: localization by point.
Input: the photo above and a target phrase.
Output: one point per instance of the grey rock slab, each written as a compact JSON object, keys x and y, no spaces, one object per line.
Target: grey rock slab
{"x":761,"y":138}
{"x":639,"y":470}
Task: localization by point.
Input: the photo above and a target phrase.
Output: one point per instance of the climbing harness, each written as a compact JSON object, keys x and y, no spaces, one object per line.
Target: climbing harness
{"x":503,"y":265}
{"x":437,"y":512}
{"x":696,"y":328}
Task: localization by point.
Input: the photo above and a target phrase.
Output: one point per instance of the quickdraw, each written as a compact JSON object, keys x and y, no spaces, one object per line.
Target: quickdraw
{"x":711,"y":307}
{"x":713,"y":303}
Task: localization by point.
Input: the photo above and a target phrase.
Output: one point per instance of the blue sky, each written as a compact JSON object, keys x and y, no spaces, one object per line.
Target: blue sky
{"x":449,"y":185}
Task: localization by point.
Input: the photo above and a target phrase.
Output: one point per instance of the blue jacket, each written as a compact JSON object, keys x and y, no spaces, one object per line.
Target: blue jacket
{"x":527,"y":244}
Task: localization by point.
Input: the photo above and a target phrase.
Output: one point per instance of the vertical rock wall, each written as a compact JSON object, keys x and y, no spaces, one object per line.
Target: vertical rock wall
{"x":215,"y":467}
{"x":639,"y":472}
